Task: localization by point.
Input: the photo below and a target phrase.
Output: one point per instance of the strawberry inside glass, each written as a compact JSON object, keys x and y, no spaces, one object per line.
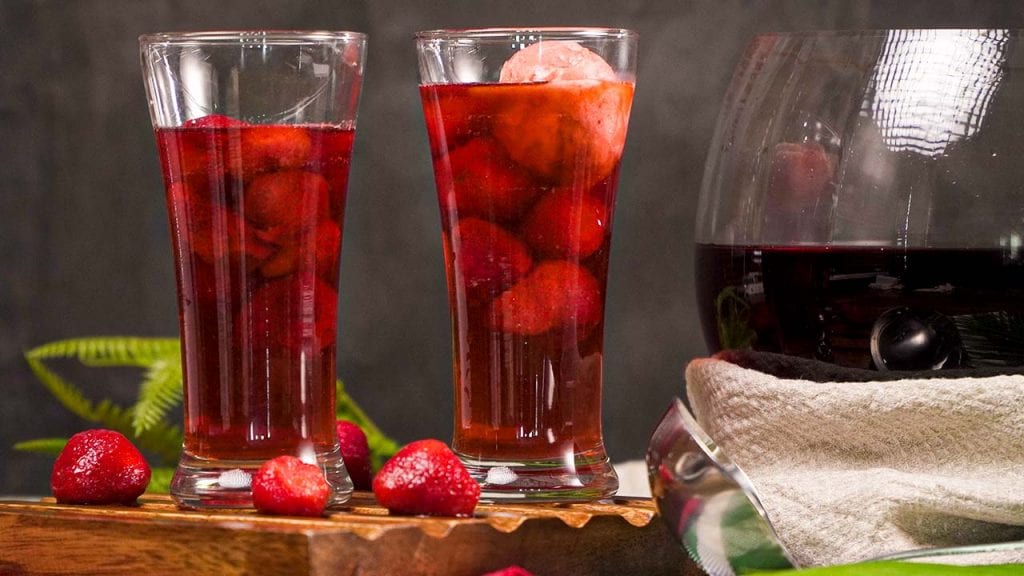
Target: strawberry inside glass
{"x":526,"y":173}
{"x":256,"y":214}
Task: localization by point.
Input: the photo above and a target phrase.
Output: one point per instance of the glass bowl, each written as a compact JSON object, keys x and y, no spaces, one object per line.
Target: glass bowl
{"x":863,"y":200}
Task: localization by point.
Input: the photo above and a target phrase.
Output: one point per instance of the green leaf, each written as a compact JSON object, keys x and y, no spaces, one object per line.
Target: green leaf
{"x":992,"y":339}
{"x":732,"y":314}
{"x":47,"y":446}
{"x":110,"y":350}
{"x":146,"y":423}
{"x":162,"y":439}
{"x":160,"y":481}
{"x":161,"y":391}
{"x":381,"y":446}
{"x":904,"y":569}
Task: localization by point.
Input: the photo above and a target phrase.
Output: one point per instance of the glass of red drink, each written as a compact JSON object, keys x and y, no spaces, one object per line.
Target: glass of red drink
{"x":861,"y":201}
{"x":526,"y":130}
{"x":255,"y":131}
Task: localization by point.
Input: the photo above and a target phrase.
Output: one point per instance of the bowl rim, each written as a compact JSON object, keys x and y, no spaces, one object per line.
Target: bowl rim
{"x":878,"y":32}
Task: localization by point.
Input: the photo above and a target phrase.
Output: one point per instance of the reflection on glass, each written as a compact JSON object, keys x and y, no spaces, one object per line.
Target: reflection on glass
{"x":931,"y":88}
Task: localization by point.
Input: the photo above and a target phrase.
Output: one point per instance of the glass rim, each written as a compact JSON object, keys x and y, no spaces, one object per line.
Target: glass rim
{"x":235,"y":36}
{"x":874,"y":32}
{"x":565,"y":32}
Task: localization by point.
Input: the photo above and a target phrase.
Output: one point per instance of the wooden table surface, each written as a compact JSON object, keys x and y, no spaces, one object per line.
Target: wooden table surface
{"x":620,"y":537}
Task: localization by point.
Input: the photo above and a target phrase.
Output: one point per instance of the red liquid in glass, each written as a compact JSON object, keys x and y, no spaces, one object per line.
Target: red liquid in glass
{"x":526,"y":187}
{"x":825,"y":303}
{"x":256,"y":214}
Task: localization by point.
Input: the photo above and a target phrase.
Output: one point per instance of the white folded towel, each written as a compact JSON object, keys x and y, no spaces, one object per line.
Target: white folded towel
{"x":850,"y":471}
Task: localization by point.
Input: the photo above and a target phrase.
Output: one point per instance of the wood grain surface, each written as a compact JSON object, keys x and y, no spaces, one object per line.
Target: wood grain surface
{"x":621,"y":537}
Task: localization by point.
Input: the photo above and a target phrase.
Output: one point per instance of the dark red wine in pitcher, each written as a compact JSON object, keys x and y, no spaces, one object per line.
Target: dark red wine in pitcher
{"x":866,"y":306}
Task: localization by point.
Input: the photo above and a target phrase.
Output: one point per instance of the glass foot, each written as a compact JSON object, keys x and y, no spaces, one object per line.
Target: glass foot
{"x":202,"y":483}
{"x":579,"y":477}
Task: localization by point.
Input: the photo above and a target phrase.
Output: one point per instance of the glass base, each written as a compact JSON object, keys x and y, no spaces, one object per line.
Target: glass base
{"x":201,"y":483}
{"x":579,"y":477}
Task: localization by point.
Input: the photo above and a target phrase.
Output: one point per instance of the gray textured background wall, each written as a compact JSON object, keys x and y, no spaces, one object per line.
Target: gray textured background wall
{"x":84,"y":247}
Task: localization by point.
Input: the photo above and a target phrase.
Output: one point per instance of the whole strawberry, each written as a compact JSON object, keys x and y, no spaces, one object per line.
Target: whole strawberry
{"x":99,"y":467}
{"x":355,"y":450}
{"x":290,"y":487}
{"x":426,"y":477}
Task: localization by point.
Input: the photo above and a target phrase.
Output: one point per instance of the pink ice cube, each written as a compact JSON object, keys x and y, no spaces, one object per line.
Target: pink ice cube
{"x":555,"y":60}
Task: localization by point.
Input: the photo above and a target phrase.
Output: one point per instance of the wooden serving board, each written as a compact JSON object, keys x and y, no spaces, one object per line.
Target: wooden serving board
{"x":620,"y":537}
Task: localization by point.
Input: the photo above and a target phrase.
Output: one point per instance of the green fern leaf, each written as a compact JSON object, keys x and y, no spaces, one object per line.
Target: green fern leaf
{"x":381,"y":446}
{"x":65,"y":393}
{"x":145,"y":423}
{"x":160,"y":481}
{"x":160,"y":392}
{"x":993,"y":339}
{"x":162,"y":439}
{"x":47,"y":446}
{"x":110,"y":350}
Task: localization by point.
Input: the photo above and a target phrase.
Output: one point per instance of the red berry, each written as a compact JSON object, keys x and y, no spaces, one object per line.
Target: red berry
{"x":263,"y":148}
{"x":511,"y":571}
{"x":292,"y":313}
{"x":212,"y":231}
{"x":193,"y":154}
{"x":800,"y":173}
{"x":324,"y":245}
{"x":214,"y":121}
{"x":289,"y":486}
{"x":425,"y":477}
{"x":555,"y":293}
{"x":284,"y":261}
{"x":99,"y":467}
{"x":566,"y":133}
{"x":487,"y":258}
{"x":452,"y":118}
{"x":328,"y":249}
{"x":355,"y":450}
{"x":566,"y":224}
{"x":331,"y":155}
{"x":557,"y":60}
{"x":478,"y":179}
{"x":282,"y":203}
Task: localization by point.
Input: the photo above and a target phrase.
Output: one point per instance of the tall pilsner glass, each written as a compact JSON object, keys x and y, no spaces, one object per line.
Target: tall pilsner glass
{"x":255,"y":133}
{"x":527,"y":129}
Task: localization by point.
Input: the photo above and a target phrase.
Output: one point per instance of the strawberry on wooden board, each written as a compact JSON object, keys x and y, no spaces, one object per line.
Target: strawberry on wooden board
{"x":355,"y":451}
{"x":288,"y":486}
{"x":99,"y":467}
{"x":426,"y":477}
